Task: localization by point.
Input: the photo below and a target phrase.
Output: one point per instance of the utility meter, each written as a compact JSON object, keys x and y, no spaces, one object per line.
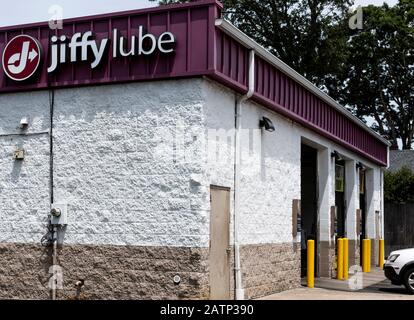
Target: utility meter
{"x":59,"y":214}
{"x":56,"y":212}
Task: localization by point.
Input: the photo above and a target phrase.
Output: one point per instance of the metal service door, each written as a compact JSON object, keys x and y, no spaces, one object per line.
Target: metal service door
{"x":219,"y":243}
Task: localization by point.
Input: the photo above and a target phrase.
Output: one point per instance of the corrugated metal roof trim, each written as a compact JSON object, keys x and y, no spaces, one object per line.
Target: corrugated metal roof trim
{"x":231,"y":30}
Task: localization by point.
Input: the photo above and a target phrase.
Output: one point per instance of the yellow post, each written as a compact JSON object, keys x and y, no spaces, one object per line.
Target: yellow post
{"x":346,"y":258}
{"x":366,"y":255}
{"x":340,"y":260}
{"x":369,"y":255}
{"x":311,"y":264}
{"x":381,"y":253}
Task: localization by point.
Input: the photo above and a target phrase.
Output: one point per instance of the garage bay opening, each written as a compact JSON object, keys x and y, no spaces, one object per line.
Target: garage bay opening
{"x":309,"y":204}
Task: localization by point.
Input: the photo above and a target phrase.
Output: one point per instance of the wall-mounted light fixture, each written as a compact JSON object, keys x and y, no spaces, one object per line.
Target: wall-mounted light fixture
{"x":360,"y":166}
{"x":24,"y":123}
{"x":267,"y":124}
{"x":335,"y":154}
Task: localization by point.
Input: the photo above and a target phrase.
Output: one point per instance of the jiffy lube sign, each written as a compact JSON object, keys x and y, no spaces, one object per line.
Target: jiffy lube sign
{"x":23,"y":54}
{"x":83,"y":47}
{"x":160,"y":43}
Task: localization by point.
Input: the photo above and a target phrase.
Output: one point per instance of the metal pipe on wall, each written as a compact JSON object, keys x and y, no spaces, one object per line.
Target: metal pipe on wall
{"x":55,"y":229}
{"x":54,"y":262}
{"x":237,"y":176}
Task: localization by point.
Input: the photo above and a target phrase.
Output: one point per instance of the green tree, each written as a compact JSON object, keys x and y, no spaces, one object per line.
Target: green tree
{"x":399,"y":186}
{"x":302,"y":33}
{"x":378,"y":81}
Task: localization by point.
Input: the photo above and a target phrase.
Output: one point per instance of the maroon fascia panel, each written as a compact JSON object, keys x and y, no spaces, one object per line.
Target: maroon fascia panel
{"x":281,"y":93}
{"x":201,"y":50}
{"x":192,"y":25}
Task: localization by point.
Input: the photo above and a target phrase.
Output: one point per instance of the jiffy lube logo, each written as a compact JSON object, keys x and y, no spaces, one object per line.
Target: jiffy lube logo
{"x":21,"y":57}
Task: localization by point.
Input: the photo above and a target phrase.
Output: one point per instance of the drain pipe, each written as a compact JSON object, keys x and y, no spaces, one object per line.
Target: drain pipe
{"x":54,"y":261}
{"x":52,"y":200}
{"x":237,"y":176}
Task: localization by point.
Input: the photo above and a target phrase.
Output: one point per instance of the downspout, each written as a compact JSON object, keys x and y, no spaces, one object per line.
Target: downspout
{"x":52,"y":200}
{"x":54,"y":261}
{"x":237,"y":176}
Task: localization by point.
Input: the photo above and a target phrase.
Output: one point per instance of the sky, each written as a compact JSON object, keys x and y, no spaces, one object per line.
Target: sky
{"x":27,"y":11}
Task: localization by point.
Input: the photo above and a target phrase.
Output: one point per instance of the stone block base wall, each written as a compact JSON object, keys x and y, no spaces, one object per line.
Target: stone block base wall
{"x":270,"y":268}
{"x":327,"y":262}
{"x":327,"y":257}
{"x":354,"y":253}
{"x":122,"y":272}
{"x":374,"y":252}
{"x":24,"y":271}
{"x":110,"y":272}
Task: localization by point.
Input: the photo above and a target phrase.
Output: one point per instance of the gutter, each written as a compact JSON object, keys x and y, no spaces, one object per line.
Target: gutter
{"x":232,"y":31}
{"x":237,"y":176}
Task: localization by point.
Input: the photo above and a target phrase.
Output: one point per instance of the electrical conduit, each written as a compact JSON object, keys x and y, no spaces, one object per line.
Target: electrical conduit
{"x":237,"y":175}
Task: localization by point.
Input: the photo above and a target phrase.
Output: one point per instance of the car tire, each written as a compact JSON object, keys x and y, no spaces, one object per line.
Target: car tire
{"x":409,"y":280}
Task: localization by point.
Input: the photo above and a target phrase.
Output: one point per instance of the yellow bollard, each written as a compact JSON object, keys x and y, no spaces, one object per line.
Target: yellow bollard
{"x":346,"y":258}
{"x":366,"y":255}
{"x":369,"y":255}
{"x":311,"y":264}
{"x":381,"y":253}
{"x":340,"y":260}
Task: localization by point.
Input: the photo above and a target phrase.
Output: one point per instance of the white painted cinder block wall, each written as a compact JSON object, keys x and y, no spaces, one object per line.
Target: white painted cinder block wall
{"x":111,"y":165}
{"x":24,"y":186}
{"x":117,"y":171}
{"x":271,"y":176}
{"x":115,"y":165}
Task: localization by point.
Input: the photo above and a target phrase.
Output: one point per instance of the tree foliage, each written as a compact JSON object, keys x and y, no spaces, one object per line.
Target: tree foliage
{"x":302,"y":33}
{"x":399,"y":186}
{"x":378,"y":80}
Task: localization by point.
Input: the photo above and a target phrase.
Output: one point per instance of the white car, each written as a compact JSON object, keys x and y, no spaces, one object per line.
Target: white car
{"x":399,"y":268}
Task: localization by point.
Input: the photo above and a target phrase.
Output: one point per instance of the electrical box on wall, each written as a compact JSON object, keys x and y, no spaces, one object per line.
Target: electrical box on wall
{"x":18,"y":154}
{"x":59,"y":214}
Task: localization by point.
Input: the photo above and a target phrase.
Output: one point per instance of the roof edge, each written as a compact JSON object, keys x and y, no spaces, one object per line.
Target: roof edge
{"x":233,"y":31}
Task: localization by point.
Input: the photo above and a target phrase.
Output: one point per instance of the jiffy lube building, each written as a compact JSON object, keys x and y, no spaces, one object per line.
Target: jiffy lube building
{"x":161,"y":153}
